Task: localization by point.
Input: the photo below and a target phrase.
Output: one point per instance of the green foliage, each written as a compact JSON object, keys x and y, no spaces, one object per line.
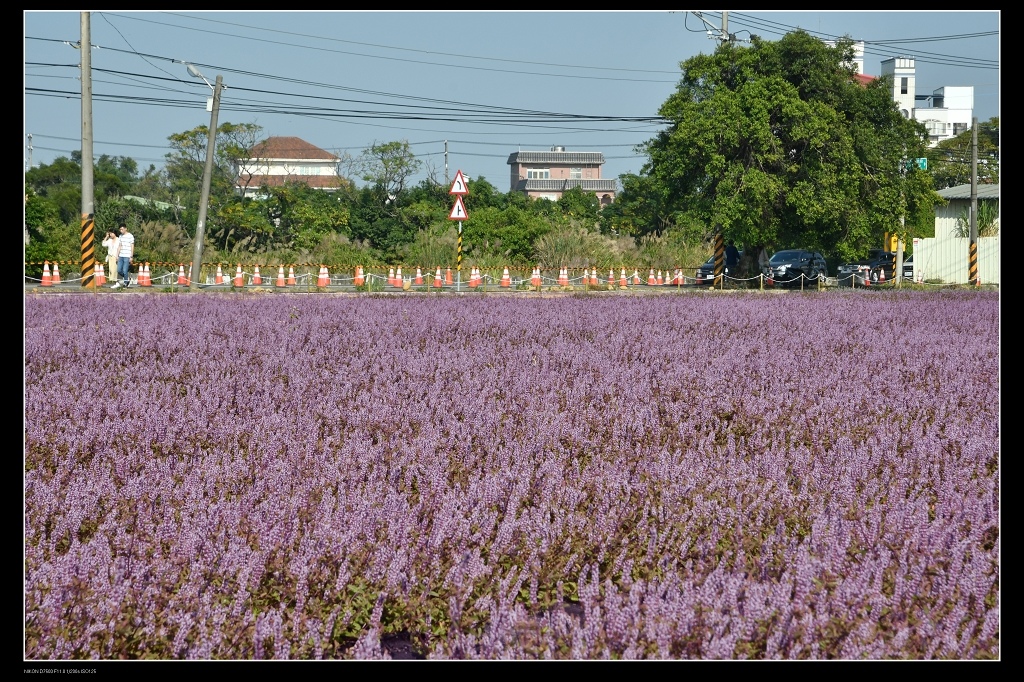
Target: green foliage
{"x":53,"y":240}
{"x":340,"y":251}
{"x":388,"y":167}
{"x":583,"y":206}
{"x":809,"y":157}
{"x":949,"y":162}
{"x":575,"y":247}
{"x":186,"y":164}
{"x":160,"y":242}
{"x":987,"y":222}
{"x":432,"y":247}
{"x":494,"y":236}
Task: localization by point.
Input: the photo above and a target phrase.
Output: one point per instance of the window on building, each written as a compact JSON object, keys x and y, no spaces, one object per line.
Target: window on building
{"x":538,"y":173}
{"x":575,"y":173}
{"x":903,"y":85}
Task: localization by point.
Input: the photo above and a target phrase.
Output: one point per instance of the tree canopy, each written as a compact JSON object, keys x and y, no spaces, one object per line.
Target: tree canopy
{"x":950,"y":160}
{"x":777,"y":143}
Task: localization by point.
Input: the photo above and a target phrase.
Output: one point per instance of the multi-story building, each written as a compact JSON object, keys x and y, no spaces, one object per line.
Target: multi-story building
{"x":547,"y":174}
{"x":946,"y":112}
{"x":280,"y":160}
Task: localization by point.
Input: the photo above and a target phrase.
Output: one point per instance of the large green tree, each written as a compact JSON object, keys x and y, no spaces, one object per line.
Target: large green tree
{"x":778,"y":144}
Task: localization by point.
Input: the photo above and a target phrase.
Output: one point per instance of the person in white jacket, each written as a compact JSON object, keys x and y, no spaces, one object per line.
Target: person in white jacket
{"x":110,"y":243}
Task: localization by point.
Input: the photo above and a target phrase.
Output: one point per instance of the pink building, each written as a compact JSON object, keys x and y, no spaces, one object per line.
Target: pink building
{"x":547,"y":174}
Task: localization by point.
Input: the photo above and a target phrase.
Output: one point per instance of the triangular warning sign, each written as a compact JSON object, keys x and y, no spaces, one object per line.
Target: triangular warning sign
{"x":458,"y":210}
{"x":459,"y":185}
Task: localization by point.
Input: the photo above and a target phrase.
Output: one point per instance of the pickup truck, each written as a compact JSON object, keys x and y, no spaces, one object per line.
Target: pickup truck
{"x":878,"y":266}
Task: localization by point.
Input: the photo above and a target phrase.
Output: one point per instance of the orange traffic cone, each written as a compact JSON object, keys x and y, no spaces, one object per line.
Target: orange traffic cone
{"x":623,"y":282}
{"x":867,"y":279}
{"x":398,"y":277}
{"x":881,"y":276}
{"x":391,"y":277}
{"x":636,"y":276}
{"x":47,"y":278}
{"x":144,"y":280}
{"x":594,"y":280}
{"x":611,"y":277}
{"x":419,"y":276}
{"x":239,"y":277}
{"x":659,"y":281}
{"x":535,"y":278}
{"x":506,"y":281}
{"x":358,"y":279}
{"x":448,"y":276}
{"x":437,"y":278}
{"x":181,"y":275}
{"x":280,"y":276}
{"x":219,"y":279}
{"x":472,"y":278}
{"x":650,"y":278}
{"x":98,"y":279}
{"x":563,"y":277}
{"x":321,"y":278}
{"x":257,"y":279}
{"x":291,"y":275}
{"x":977,"y":281}
{"x":56,"y":273}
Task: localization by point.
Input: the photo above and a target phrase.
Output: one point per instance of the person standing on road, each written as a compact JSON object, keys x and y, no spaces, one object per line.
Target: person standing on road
{"x":732,"y":257}
{"x":110,"y":242}
{"x":125,"y":253}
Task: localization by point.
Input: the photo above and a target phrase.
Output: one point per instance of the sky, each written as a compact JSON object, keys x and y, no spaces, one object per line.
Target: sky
{"x":465,"y":89}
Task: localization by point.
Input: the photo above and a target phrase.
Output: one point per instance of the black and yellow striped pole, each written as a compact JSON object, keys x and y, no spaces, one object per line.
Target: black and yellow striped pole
{"x":972,"y":264}
{"x":719,"y":261}
{"x":88,"y":251}
{"x":972,"y":252}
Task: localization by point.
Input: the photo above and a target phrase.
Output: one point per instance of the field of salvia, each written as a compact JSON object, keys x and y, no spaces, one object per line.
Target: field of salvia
{"x":698,"y":476}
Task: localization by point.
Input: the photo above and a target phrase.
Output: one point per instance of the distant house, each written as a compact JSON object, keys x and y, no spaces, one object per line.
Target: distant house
{"x":280,"y":160}
{"x":547,"y":174}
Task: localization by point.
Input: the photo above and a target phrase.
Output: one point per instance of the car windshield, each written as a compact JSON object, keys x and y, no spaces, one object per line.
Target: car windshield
{"x":784,"y":257}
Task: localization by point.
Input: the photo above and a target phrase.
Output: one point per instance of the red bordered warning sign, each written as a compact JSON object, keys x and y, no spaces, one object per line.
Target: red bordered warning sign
{"x":458,"y":210}
{"x":459,"y":186}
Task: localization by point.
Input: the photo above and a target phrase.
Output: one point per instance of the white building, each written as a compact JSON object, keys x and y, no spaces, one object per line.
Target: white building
{"x":946,"y":112}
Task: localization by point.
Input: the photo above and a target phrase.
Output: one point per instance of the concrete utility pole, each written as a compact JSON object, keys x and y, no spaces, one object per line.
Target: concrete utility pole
{"x":88,"y":240}
{"x":204,"y":199}
{"x":720,"y":34}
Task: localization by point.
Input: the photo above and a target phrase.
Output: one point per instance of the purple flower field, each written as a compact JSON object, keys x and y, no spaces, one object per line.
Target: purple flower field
{"x":701,"y":476}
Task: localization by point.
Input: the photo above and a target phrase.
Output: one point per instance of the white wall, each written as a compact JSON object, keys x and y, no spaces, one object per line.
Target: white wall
{"x":945,"y":258}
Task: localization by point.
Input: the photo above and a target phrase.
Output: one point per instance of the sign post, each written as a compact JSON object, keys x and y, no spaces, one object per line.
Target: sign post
{"x":458,"y":212}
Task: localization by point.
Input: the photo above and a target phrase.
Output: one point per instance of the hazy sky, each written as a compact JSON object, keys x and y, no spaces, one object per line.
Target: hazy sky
{"x":488,"y":83}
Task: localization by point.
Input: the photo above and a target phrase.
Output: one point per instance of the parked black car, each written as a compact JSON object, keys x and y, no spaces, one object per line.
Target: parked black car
{"x":706,"y":272}
{"x":879,"y":266}
{"x":792,"y":267}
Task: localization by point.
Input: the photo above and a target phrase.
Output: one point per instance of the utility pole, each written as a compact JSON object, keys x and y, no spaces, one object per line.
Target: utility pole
{"x":446,"y":162}
{"x":972,"y":254}
{"x":204,"y":199}
{"x":720,"y":34}
{"x":88,"y":235}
